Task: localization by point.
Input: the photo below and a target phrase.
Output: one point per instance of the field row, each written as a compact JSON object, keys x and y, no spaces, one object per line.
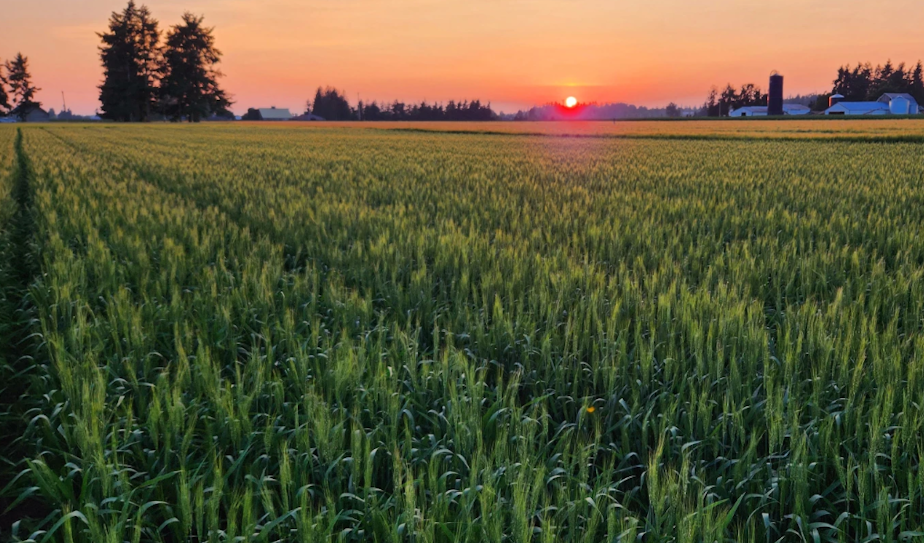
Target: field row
{"x":841,"y":129}
{"x":277,"y":333}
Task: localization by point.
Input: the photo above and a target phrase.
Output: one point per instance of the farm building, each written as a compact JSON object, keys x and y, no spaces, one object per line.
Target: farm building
{"x":37,"y":115}
{"x":274,"y":114}
{"x":761,"y":111}
{"x":308,"y":117}
{"x":901,"y":104}
{"x":888,"y":104}
{"x":858,"y":108}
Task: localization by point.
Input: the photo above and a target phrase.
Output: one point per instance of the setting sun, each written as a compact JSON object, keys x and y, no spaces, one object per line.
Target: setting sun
{"x":571,"y":101}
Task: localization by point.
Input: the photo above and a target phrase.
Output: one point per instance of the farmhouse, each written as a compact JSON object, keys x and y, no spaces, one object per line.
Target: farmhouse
{"x":761,"y":111}
{"x":273,"y":114}
{"x":888,"y":104}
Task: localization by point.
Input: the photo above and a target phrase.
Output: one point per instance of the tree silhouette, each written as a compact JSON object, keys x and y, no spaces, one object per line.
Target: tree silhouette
{"x":252,"y":115}
{"x":189,"y":80}
{"x":721,"y":104}
{"x":4,"y":99}
{"x":21,"y":88}
{"x":452,"y":111}
{"x":917,"y":83}
{"x":332,"y":105}
{"x":129,"y":55}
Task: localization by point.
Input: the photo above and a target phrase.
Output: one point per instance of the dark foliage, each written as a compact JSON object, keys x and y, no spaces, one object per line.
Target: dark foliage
{"x":452,"y":111}
{"x":252,"y":115}
{"x":4,"y":98}
{"x":332,"y":105}
{"x":673,"y":110}
{"x":189,"y":87}
{"x":864,"y":82}
{"x":130,"y":55}
{"x":721,"y":104}
{"x":22,"y":91}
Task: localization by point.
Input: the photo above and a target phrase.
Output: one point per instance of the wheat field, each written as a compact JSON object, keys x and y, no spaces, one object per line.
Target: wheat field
{"x":254,"y":332}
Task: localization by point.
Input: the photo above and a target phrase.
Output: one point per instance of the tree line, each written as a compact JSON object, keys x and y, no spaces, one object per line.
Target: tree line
{"x":332,"y":105}
{"x":17,"y":93}
{"x":452,"y":111}
{"x":864,"y":82}
{"x":176,"y":79}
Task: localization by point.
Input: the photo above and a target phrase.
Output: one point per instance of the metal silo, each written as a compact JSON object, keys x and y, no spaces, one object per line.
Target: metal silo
{"x":835,"y":99}
{"x":775,"y":99}
{"x":900,"y":106}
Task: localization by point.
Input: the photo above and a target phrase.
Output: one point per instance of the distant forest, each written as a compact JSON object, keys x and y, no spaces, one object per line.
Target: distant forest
{"x":333,"y":105}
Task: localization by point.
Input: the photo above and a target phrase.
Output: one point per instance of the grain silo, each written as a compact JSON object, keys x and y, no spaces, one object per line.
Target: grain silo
{"x":775,"y":98}
{"x":835,"y":99}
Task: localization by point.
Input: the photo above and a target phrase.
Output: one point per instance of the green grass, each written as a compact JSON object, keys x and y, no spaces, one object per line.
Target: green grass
{"x":270,"y":334}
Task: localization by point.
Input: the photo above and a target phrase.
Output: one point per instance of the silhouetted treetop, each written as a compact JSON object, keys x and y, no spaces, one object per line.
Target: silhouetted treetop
{"x":129,"y":54}
{"x":22,"y":91}
{"x":189,"y":87}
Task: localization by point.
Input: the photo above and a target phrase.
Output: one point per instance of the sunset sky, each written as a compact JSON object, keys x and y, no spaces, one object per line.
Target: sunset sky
{"x":513,"y":53}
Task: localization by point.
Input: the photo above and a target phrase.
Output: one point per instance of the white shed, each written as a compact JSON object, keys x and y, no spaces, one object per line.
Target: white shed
{"x":858,"y":108}
{"x":761,"y":111}
{"x":749,"y":111}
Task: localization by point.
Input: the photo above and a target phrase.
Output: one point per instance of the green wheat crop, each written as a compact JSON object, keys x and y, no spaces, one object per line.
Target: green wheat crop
{"x":335,"y":334}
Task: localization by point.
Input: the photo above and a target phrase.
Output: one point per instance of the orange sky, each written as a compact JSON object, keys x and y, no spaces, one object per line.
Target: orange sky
{"x":514,"y":53}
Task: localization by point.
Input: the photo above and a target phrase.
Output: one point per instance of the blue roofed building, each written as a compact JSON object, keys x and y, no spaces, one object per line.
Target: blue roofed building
{"x":888,"y":104}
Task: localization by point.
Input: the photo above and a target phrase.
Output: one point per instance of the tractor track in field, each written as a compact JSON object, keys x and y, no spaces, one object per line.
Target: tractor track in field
{"x":17,"y":340}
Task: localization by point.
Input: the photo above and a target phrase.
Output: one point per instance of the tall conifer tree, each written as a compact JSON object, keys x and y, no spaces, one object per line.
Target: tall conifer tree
{"x":22,"y":90}
{"x":189,"y":87}
{"x":130,"y":55}
{"x":4,"y":99}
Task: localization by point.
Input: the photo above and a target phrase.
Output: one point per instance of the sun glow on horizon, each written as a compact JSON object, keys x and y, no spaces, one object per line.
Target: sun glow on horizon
{"x":571,"y":101}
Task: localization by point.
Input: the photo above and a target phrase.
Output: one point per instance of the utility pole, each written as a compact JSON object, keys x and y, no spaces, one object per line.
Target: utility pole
{"x":64,"y":100}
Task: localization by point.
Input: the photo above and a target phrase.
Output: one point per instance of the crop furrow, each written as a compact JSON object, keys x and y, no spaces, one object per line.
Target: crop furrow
{"x":18,"y":332}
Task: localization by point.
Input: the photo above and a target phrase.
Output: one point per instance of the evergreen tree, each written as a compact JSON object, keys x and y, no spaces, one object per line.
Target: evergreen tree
{"x":318,"y":105}
{"x":332,"y":105}
{"x":21,"y":88}
{"x":129,"y":55}
{"x":917,"y":83}
{"x":189,"y":79}
{"x":4,"y":99}
{"x":711,"y":106}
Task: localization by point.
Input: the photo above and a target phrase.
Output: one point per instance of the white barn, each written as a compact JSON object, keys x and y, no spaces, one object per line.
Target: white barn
{"x":888,"y":104}
{"x":858,"y":108}
{"x":761,"y":111}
